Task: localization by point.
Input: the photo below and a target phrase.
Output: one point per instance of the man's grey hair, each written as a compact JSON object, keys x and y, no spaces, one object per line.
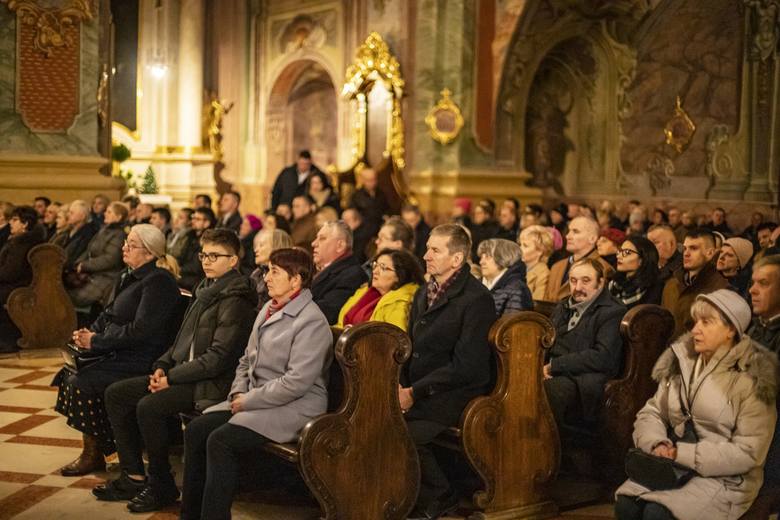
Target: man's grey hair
{"x":591,"y":225}
{"x":80,"y":204}
{"x":504,"y":252}
{"x":341,"y":230}
{"x":458,"y":239}
{"x":769,"y":260}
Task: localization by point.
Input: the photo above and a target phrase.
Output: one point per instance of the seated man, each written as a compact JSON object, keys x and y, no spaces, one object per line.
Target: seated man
{"x":697,"y":276}
{"x":196,"y":372}
{"x":338,"y":272}
{"x":451,"y":358}
{"x":734,"y":263}
{"x":191,"y":267}
{"x":588,"y":349}
{"x":304,"y":224}
{"x":669,"y":258}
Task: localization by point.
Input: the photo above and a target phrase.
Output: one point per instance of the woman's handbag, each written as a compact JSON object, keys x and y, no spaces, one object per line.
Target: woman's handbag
{"x":654,"y":472}
{"x":77,"y":358}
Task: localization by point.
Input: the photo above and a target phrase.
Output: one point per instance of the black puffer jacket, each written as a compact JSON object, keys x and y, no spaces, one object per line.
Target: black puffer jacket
{"x":217,"y":327}
{"x":15,"y":270}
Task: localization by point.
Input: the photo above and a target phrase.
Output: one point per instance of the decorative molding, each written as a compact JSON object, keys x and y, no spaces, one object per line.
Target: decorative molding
{"x":444,"y":119}
{"x":51,"y":24}
{"x":679,"y":129}
{"x":763,"y":28}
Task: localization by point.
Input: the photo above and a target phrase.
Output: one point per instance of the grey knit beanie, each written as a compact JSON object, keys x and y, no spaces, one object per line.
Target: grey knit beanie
{"x":732,"y":305}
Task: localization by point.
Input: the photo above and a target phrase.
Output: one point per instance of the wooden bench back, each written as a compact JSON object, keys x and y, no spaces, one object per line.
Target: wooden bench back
{"x":359,"y":461}
{"x":510,"y":437}
{"x":43,"y":311}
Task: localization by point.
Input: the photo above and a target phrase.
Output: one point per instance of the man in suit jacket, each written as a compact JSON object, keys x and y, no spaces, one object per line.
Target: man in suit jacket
{"x":291,"y":181}
{"x":338,"y":271}
{"x":451,"y":358}
{"x":230,"y":217}
{"x":588,"y":348}
{"x":581,"y":243}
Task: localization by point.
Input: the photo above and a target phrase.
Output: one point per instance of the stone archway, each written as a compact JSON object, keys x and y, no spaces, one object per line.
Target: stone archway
{"x":302,"y":114}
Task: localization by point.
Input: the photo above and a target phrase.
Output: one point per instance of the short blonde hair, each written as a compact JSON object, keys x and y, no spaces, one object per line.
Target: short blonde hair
{"x":541,"y":237}
{"x":279,"y":239}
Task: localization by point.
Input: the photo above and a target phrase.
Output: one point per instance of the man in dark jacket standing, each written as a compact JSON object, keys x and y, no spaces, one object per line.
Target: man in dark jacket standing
{"x":292,"y":180}
{"x":194,"y":373}
{"x":588,"y":349}
{"x":451,"y":358}
{"x":338,"y":271}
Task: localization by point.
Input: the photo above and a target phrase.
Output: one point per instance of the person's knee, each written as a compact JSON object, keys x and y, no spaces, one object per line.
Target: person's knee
{"x":655,"y":511}
{"x":196,"y":433}
{"x":626,"y":508}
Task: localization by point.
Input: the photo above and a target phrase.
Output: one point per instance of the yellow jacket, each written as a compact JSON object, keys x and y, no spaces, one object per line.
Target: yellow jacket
{"x":393,"y":307}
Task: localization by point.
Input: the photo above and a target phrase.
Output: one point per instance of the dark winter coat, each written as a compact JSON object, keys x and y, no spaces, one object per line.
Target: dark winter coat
{"x":510,"y":293}
{"x":103,"y":262}
{"x":286,"y":186}
{"x":335,"y":284}
{"x":216,"y":326}
{"x":191,"y":271}
{"x":15,"y":270}
{"x":76,"y":244}
{"x":451,"y":357}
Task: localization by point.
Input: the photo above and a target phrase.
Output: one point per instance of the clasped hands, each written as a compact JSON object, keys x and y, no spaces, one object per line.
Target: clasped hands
{"x":665,"y":451}
{"x":83,"y":338}
{"x":158,"y":381}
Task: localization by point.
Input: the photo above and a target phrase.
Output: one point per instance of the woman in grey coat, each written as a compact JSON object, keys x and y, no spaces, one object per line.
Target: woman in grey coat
{"x":102,"y":260}
{"x":726,"y":384}
{"x":280,"y":385}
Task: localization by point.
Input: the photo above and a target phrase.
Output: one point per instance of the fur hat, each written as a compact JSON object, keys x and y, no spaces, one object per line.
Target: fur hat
{"x":731,"y":305}
{"x":742,"y":248}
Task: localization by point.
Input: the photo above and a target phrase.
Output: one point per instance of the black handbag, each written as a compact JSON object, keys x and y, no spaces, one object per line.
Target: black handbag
{"x":77,"y":358}
{"x":660,"y":473}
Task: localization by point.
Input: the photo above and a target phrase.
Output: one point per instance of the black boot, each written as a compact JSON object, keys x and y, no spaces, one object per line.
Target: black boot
{"x":157,"y":494}
{"x":123,"y":488}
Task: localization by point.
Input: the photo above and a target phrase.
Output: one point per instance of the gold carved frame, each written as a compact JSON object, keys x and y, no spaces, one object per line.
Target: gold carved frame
{"x":374,"y":62}
{"x":679,"y":129}
{"x":445,"y":119}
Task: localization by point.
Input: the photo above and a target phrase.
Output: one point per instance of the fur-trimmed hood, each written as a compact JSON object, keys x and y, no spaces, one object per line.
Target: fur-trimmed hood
{"x":746,"y":356}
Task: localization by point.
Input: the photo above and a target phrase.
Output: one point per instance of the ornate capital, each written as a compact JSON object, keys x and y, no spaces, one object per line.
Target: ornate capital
{"x":51,"y":25}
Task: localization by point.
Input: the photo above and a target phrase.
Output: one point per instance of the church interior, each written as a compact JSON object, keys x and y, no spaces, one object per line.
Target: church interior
{"x":663,"y":105}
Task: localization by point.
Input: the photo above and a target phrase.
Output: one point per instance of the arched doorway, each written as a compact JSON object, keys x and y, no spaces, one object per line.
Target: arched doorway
{"x":302,"y":114}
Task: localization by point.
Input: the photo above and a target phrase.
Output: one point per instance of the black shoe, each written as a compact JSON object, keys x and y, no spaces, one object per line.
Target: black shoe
{"x":123,"y":488}
{"x":446,"y":503}
{"x":153,"y":498}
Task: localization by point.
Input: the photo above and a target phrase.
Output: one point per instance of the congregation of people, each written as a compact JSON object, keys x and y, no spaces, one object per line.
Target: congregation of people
{"x":226,"y":315}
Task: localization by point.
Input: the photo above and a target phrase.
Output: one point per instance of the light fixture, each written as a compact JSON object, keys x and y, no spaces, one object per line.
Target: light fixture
{"x":158,"y":70}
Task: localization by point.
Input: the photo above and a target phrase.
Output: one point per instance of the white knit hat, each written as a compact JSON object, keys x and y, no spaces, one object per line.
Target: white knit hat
{"x":732,"y":305}
{"x":742,"y":248}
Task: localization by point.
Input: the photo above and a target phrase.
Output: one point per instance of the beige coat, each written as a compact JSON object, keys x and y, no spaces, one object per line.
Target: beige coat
{"x":536,"y":278}
{"x":734,"y":415}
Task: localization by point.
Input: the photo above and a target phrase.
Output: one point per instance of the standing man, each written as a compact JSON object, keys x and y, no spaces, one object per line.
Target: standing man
{"x":370,"y":201}
{"x":229,"y":217}
{"x":451,"y":358}
{"x":292,"y":181}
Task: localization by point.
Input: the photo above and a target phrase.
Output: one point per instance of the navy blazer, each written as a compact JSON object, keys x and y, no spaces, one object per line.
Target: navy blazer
{"x":451,"y":361}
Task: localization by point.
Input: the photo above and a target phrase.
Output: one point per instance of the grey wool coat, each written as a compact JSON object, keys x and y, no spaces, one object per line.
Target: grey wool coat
{"x":284,"y":371}
{"x":733,"y":412}
{"x":103,"y":261}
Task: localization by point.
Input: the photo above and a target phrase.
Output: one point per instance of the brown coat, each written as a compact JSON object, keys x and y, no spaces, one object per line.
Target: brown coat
{"x":679,"y":297}
{"x":557,"y":290}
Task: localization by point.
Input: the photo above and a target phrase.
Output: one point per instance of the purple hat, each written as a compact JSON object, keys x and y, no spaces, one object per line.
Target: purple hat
{"x":254,"y":221}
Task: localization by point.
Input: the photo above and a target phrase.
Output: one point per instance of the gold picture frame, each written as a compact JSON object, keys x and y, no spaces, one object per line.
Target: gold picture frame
{"x":445,"y":119}
{"x":679,"y":129}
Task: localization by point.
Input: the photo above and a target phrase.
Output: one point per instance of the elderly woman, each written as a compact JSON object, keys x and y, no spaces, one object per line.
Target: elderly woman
{"x":723,"y":385}
{"x":266,"y":242}
{"x":129,"y":335}
{"x":503,"y":273}
{"x":536,"y":246}
{"x":637,"y":280}
{"x":61,"y":227}
{"x":396,"y":276}
{"x":80,"y":232}
{"x":280,"y":385}
{"x":15,"y":270}
{"x":102,"y":261}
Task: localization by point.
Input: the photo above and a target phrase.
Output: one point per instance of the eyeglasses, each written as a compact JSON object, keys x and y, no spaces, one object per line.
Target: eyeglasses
{"x":211,"y":257}
{"x":382,"y":268}
{"x":128,"y":245}
{"x":625,"y":252}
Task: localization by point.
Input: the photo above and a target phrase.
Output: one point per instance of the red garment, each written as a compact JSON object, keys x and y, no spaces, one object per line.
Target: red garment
{"x":364,"y":308}
{"x":276,"y":306}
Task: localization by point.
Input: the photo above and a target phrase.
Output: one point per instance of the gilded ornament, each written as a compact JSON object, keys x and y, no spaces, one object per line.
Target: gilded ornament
{"x":51,"y":24}
{"x":445,"y":119}
{"x":679,"y":129}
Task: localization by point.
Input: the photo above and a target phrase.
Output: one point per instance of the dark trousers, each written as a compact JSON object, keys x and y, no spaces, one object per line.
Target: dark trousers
{"x":433,"y":482}
{"x":630,"y":508}
{"x":563,"y":396}
{"x":213,"y":452}
{"x":140,"y":418}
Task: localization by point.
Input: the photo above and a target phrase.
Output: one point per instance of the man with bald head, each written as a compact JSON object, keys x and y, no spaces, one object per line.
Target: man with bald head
{"x":370,"y":201}
{"x":580,"y":243}
{"x":669,"y":258}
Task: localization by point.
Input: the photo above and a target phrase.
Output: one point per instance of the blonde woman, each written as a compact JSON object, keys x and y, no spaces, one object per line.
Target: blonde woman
{"x":536,"y":244}
{"x":266,"y":242}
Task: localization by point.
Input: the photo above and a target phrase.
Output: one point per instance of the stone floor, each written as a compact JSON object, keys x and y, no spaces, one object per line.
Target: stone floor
{"x":35,"y":442}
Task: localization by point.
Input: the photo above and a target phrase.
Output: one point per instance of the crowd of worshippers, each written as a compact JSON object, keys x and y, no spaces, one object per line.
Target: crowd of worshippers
{"x":251,"y":354}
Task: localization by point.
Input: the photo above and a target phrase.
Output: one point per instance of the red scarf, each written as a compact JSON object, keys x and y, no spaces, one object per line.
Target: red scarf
{"x":276,"y":305}
{"x":364,"y":308}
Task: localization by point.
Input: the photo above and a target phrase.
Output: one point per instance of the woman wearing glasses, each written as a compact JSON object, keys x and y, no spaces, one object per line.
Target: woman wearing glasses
{"x":637,"y":280}
{"x":130,"y":334}
{"x":396,"y":276}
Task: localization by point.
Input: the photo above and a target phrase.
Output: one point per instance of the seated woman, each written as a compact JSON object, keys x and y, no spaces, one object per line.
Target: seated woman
{"x":61,"y":227}
{"x":134,"y":330}
{"x":395,"y":278}
{"x":102,"y":260}
{"x":536,"y":245}
{"x":722,"y":381}
{"x":250,"y":225}
{"x":280,"y":385}
{"x":503,"y":273}
{"x":195,"y":373}
{"x":319,"y":188}
{"x":266,"y":242}
{"x":15,"y":270}
{"x":637,"y":280}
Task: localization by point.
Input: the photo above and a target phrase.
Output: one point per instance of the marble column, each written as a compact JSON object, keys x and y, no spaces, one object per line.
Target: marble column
{"x":190,"y":72}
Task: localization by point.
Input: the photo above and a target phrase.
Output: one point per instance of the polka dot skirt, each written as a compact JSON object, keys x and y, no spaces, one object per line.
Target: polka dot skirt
{"x":86,"y":413}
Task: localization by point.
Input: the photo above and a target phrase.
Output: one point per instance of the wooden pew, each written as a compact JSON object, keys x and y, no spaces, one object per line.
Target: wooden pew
{"x":509,"y":436}
{"x":43,"y":311}
{"x":358,"y":460}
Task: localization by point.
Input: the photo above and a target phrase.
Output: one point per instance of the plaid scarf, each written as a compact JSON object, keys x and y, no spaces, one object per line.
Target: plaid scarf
{"x":434,"y":290}
{"x":277,"y":305}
